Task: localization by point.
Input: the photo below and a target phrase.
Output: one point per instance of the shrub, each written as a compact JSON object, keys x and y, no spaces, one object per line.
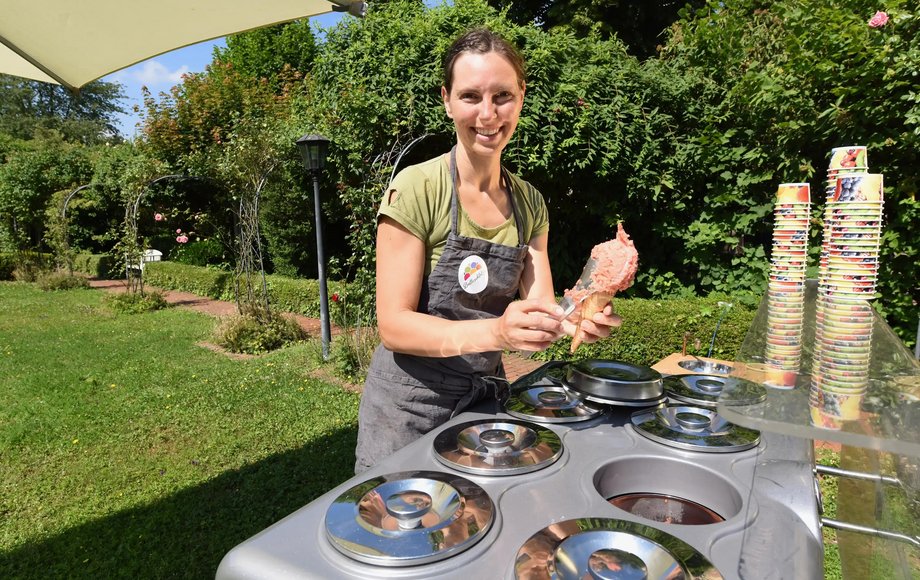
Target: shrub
{"x":135,"y":302}
{"x":97,"y":265}
{"x":255,"y":332}
{"x":7,"y":265}
{"x":59,"y":280}
{"x":352,"y":351}
{"x":28,"y":266}
{"x":208,"y":252}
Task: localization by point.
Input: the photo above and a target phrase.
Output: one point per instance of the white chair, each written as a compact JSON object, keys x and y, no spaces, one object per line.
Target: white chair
{"x":149,"y":255}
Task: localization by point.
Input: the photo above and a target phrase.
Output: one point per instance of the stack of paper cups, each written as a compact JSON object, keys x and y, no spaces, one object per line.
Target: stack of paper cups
{"x":847,"y":278}
{"x":786,"y":288}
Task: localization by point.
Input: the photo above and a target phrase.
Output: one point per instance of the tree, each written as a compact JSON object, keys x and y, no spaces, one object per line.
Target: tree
{"x":640,"y":25}
{"x":88,"y":117}
{"x":264,"y":53}
{"x":28,"y":180}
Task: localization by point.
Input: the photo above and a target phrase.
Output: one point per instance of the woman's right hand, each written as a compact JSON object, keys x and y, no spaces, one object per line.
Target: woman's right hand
{"x":529,"y":325}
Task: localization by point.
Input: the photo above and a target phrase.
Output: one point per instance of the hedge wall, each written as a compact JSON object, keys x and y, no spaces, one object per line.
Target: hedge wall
{"x":97,"y":265}
{"x":653,"y":329}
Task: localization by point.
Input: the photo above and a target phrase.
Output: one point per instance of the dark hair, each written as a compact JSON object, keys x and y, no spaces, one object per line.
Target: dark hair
{"x":481,"y":41}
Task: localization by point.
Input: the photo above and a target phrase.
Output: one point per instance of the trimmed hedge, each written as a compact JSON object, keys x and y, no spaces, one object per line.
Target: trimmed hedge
{"x":200,"y":280}
{"x":654,"y":329}
{"x":97,"y":265}
{"x":300,"y":296}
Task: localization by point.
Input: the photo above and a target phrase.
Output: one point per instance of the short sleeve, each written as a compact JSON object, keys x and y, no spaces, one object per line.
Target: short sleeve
{"x":407,"y":203}
{"x":532,"y":209}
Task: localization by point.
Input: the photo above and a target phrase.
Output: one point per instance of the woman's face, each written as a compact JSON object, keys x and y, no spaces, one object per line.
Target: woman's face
{"x":485,"y":102}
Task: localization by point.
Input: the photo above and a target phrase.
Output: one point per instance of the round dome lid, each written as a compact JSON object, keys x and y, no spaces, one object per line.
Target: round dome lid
{"x":614,"y":382}
{"x":592,"y":548}
{"x":497,"y":447}
{"x":705,"y":390}
{"x":549,"y":404}
{"x":693,"y":428}
{"x":409,"y":518}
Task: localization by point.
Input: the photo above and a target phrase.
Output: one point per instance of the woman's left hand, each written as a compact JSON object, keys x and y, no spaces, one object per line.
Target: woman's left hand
{"x":596,"y":327}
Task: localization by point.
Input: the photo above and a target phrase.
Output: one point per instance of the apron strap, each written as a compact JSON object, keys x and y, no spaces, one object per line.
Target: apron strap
{"x":455,"y":196}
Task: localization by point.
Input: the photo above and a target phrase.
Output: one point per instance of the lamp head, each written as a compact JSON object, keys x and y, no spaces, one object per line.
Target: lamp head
{"x":313,"y":149}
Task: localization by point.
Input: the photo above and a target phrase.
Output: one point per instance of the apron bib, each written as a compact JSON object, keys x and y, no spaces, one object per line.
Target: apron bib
{"x":406,"y":396}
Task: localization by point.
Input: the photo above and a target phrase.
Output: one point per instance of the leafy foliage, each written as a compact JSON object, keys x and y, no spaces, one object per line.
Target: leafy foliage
{"x":201,"y":253}
{"x":136,"y":302}
{"x":59,"y":280}
{"x":787,"y":82}
{"x":640,"y":25}
{"x":30,"y":108}
{"x":255,"y":333}
{"x":263,"y":53}
{"x":29,"y":179}
{"x":654,"y":329}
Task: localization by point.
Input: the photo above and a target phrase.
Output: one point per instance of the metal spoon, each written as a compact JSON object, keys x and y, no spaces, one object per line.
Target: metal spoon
{"x":584,"y":282}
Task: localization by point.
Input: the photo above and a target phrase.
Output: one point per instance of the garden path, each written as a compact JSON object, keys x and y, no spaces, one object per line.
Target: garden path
{"x":516,"y":365}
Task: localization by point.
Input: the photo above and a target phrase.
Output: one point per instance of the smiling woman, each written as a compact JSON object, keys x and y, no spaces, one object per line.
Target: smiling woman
{"x":459,"y":239}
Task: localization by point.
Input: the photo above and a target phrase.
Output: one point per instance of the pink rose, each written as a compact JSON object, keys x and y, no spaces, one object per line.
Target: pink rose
{"x":179,"y":231}
{"x":182,"y":239}
{"x":879,"y":20}
{"x":158,"y":217}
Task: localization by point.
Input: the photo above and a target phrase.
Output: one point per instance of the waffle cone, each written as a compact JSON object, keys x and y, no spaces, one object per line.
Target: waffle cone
{"x":593,"y":304}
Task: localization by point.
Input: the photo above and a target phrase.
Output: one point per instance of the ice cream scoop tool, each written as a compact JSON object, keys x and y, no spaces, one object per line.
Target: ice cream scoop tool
{"x":584,"y":282}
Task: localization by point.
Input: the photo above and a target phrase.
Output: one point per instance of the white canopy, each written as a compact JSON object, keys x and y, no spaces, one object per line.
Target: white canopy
{"x":73,"y":42}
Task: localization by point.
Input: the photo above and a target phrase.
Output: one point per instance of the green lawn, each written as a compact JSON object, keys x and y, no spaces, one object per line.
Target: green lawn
{"x":127,"y":451}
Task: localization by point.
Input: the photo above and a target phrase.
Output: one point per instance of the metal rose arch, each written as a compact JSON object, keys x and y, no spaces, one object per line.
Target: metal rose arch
{"x":133,"y":252}
{"x":60,"y":232}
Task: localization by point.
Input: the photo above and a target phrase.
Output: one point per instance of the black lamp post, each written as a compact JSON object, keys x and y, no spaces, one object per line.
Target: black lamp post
{"x":313,"y":150}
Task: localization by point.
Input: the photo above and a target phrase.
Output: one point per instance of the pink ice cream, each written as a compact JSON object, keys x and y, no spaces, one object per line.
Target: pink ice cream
{"x":616,"y":264}
{"x":614,"y":271}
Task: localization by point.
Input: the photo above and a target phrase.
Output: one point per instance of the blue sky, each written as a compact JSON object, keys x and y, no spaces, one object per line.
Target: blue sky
{"x":161,"y":73}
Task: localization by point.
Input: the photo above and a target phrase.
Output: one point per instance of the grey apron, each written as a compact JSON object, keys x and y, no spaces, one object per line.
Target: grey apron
{"x":406,"y":396}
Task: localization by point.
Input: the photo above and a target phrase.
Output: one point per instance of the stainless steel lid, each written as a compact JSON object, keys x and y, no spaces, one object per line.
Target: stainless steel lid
{"x":556,"y":373}
{"x":497,"y":447}
{"x":408,"y":518}
{"x":549,"y":404}
{"x":704,"y":390}
{"x":693,"y":428}
{"x":705,"y":367}
{"x":589,"y":548}
{"x":614,"y":382}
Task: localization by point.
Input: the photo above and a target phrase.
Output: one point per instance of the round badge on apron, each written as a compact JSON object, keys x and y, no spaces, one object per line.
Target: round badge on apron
{"x":473,"y":274}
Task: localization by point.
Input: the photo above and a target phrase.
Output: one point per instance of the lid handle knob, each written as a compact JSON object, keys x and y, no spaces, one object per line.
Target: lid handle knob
{"x":409,"y":507}
{"x":496,"y":439}
{"x":611,"y":564}
{"x":552,"y":398}
{"x":693,"y":421}
{"x":710,"y":385}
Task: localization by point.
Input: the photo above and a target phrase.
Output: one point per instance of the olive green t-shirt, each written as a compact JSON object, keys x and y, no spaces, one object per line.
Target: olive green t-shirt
{"x":420,"y":202}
